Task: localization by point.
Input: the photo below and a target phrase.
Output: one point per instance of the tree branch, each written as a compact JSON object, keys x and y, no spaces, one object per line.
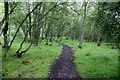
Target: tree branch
{"x":75,"y":10}
{"x":47,"y":12}
{"x":13,"y":9}
{"x":20,"y":54}
{"x":23,"y":22}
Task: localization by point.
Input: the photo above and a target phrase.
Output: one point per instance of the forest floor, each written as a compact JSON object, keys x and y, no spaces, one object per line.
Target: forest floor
{"x":91,"y":61}
{"x":64,"y":66}
{"x":35,"y":63}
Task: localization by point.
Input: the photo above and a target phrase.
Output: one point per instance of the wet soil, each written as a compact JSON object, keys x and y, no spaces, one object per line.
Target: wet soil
{"x":64,"y":67}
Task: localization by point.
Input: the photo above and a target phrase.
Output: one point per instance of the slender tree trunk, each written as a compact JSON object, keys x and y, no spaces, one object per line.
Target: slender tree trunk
{"x":26,"y":33}
{"x":59,"y":30}
{"x":22,"y":24}
{"x":29,"y":23}
{"x":47,"y":33}
{"x":62,"y":32}
{"x":17,"y":52}
{"x":99,"y":37}
{"x":38,"y":26}
{"x":22,"y":52}
{"x":42,"y":32}
{"x":34,"y":30}
{"x":10,"y":12}
{"x":5,"y":30}
{"x":92,"y":35}
{"x":84,"y":24}
{"x":51,"y":36}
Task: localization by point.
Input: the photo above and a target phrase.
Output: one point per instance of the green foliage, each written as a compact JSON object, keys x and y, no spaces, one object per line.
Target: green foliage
{"x":108,"y":19}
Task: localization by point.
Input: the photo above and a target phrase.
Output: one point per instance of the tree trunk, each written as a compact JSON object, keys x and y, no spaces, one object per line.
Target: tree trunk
{"x":99,"y":37}
{"x":51,"y":35}
{"x":5,"y":29}
{"x":26,"y":29}
{"x":22,"y":23}
{"x":29,"y":23}
{"x":47,"y":33}
{"x":38,"y":27}
{"x":62,"y":32}
{"x":59,"y":30}
{"x":84,"y":24}
{"x":20,"y":54}
{"x":34,"y":30}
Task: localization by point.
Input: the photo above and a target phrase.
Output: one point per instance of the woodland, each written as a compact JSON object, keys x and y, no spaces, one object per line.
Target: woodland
{"x":59,"y":39}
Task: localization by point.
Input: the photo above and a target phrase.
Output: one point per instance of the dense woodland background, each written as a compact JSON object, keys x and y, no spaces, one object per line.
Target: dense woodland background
{"x":38,"y":22}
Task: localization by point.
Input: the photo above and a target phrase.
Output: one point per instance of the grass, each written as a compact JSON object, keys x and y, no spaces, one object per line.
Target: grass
{"x":93,"y":61}
{"x":34,"y":64}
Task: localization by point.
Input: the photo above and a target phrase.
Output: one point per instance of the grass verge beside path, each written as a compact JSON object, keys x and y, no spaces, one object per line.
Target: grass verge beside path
{"x":35,"y":63}
{"x":93,"y":61}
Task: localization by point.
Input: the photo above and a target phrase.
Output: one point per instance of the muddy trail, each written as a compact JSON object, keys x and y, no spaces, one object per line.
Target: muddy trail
{"x":64,"y":66}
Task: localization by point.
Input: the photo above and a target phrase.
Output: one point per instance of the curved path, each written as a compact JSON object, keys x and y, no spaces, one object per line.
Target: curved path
{"x":64,"y":66}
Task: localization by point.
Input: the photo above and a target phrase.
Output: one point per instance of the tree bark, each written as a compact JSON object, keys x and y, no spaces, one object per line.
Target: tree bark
{"x":29,"y":23}
{"x":5,"y":29}
{"x":84,"y":24}
{"x":3,"y":20}
{"x":20,"y":54}
{"x":47,"y":33}
{"x":99,"y":37}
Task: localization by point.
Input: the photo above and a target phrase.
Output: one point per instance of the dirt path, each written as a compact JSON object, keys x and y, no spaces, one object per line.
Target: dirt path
{"x":64,"y":66}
